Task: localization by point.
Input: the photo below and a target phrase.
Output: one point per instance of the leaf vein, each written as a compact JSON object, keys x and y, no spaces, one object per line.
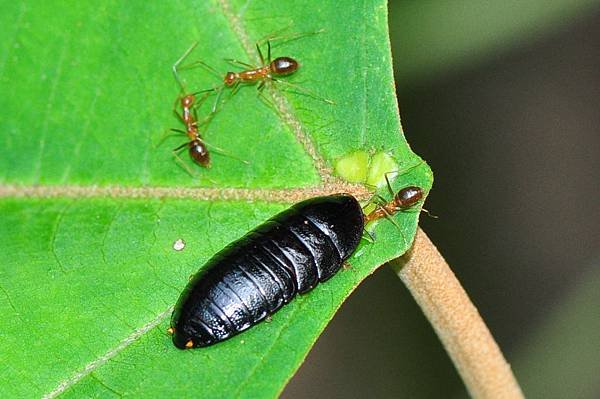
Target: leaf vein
{"x":54,"y":233}
{"x":11,"y":43}
{"x":95,"y":364}
{"x":107,"y":231}
{"x":51,"y":97}
{"x":10,"y":302}
{"x":82,"y":137}
{"x":280,"y":101}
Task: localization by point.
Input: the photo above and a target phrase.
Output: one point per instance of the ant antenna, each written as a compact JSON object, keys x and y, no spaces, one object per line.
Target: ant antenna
{"x":179,"y":61}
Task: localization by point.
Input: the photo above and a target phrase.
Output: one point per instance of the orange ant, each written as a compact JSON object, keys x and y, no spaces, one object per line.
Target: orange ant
{"x":403,"y":200}
{"x":268,"y":71}
{"x":197,"y":147}
{"x":280,"y":66}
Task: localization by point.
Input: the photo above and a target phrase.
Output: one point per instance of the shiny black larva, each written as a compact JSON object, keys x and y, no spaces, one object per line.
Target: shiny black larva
{"x":256,"y":275}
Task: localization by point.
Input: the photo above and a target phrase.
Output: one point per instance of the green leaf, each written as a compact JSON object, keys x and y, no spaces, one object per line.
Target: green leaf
{"x":91,"y":206}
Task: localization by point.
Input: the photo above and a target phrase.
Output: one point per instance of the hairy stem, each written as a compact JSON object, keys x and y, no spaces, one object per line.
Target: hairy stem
{"x":456,"y":321}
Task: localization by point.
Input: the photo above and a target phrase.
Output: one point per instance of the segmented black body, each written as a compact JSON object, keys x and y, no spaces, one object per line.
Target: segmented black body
{"x":256,"y":275}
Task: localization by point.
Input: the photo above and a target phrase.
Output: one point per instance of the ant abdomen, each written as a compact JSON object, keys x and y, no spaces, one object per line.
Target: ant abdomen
{"x":283,"y":66}
{"x":199,"y":153}
{"x":408,"y":196}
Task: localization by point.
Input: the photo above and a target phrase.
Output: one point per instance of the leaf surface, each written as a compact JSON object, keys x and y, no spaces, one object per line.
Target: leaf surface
{"x":91,"y":204}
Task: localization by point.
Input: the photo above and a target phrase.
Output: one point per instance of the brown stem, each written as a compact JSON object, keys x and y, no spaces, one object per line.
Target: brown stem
{"x":456,"y":321}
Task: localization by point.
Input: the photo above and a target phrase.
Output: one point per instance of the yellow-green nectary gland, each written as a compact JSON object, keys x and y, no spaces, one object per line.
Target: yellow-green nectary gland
{"x":353,"y":167}
{"x":381,"y":163}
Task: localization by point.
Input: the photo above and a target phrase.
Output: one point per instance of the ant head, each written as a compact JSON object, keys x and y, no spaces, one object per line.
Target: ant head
{"x":199,"y":153}
{"x":408,"y":196}
{"x":284,"y":66}
{"x":230,"y":79}
{"x":187,"y":101}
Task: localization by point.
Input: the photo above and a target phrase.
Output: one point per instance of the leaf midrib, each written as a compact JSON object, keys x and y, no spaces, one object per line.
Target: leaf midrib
{"x":284,"y":195}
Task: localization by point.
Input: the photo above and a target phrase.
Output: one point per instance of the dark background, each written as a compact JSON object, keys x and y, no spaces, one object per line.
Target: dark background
{"x":512,"y":136}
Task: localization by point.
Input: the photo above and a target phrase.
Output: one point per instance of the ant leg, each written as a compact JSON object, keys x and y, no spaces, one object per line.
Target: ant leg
{"x":263,"y":98}
{"x":207,"y":93}
{"x":382,"y":201}
{"x":223,"y":152}
{"x":179,"y":116}
{"x":198,"y":103}
{"x":176,"y":65}
{"x":376,"y":200}
{"x":180,"y":147}
{"x":269,"y":51}
{"x":235,"y":88}
{"x":203,"y":65}
{"x":243,"y":65}
{"x":274,"y":34}
{"x":260,"y":54}
{"x":279,"y":35}
{"x":166,"y":134}
{"x":391,"y":219}
{"x":217,"y":100}
{"x":389,"y":186}
{"x":404,"y":170}
{"x":206,"y":120}
{"x":182,"y":164}
{"x":287,"y":38}
{"x":302,"y":91}
{"x":371,"y":238}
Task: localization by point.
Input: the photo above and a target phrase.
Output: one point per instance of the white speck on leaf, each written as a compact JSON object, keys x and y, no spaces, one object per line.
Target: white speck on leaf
{"x":179,"y":245}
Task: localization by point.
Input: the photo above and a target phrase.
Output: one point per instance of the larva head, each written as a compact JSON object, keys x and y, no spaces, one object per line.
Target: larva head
{"x":230,"y":78}
{"x":408,"y":196}
{"x":284,"y":66}
{"x":199,"y":153}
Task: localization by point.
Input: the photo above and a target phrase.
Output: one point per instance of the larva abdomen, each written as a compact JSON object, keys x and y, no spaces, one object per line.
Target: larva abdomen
{"x":257,"y":274}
